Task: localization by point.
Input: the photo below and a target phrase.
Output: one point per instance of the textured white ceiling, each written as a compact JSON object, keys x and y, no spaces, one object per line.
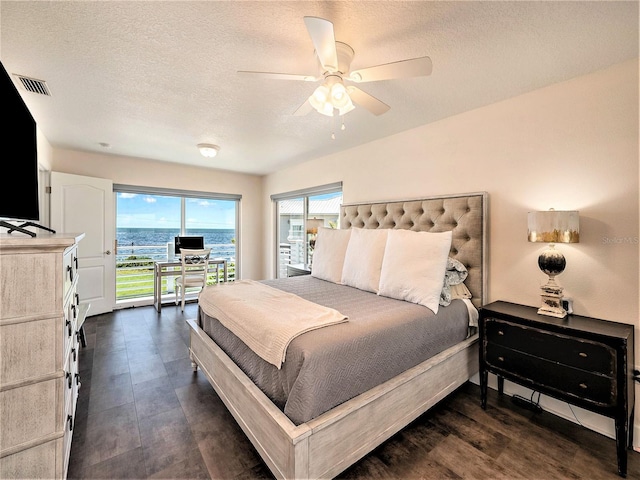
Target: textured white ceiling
{"x":153,"y":79}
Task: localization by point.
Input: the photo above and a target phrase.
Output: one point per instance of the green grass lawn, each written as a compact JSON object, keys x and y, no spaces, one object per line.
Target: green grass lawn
{"x":135,"y":279}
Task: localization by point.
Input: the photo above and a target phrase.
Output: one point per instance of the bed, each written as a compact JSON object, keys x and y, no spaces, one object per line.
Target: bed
{"x":322,"y":440}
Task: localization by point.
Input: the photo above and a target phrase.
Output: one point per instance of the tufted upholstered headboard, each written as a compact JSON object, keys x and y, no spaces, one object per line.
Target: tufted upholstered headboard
{"x":464,"y":214}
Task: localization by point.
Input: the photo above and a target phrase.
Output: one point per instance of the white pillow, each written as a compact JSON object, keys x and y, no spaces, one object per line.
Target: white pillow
{"x":363,"y":259}
{"x":328,"y":254}
{"x":414,"y":265}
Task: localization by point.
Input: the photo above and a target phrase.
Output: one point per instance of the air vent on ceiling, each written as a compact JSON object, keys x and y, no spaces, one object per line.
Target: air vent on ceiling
{"x":34,"y":86}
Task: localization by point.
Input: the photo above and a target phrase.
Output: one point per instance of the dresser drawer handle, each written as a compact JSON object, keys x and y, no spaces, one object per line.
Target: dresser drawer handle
{"x":70,"y":270}
{"x":583,"y":355}
{"x":68,"y":324}
{"x":500,"y":332}
{"x":68,"y":375}
{"x":73,"y":350}
{"x":583,"y":385}
{"x":70,"y":420}
{"x":77,"y":378}
{"x":501,"y":359}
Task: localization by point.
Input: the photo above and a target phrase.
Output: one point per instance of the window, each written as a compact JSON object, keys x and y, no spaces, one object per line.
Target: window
{"x":298,"y":215}
{"x":147,"y":222}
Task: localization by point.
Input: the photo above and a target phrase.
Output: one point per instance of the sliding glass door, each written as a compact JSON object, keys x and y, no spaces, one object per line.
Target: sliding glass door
{"x":299,"y":215}
{"x":147,"y":222}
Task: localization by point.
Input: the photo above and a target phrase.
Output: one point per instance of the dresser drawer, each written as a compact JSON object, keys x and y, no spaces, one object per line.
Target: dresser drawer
{"x":71,"y":375}
{"x":70,"y":269}
{"x":555,"y":347}
{"x":30,"y":349}
{"x":68,"y":330}
{"x":36,"y":407}
{"x":40,"y":461}
{"x":591,"y":387}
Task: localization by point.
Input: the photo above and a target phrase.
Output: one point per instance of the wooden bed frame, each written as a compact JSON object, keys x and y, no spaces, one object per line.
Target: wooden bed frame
{"x":333,"y":441}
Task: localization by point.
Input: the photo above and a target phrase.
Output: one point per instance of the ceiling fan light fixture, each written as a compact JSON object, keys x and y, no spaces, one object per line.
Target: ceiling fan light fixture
{"x":320,"y":100}
{"x":321,"y":94}
{"x":346,"y":108}
{"x":331,"y":96}
{"x":339,"y":97}
{"x":208,"y":149}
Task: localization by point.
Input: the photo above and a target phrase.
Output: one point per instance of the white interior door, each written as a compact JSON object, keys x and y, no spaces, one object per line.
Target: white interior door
{"x":85,"y":204}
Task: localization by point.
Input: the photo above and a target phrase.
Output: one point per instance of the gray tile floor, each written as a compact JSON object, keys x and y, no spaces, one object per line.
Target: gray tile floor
{"x":143,"y":413}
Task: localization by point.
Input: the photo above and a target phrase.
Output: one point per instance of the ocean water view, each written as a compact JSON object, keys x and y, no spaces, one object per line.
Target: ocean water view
{"x":153,"y":242}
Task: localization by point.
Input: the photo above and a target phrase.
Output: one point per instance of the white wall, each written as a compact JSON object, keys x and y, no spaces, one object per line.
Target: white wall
{"x":147,"y":173}
{"x":572,"y":146}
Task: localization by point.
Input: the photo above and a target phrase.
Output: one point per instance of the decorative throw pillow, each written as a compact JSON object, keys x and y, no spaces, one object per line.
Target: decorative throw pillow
{"x":328,"y":254}
{"x":363,"y":259}
{"x":460,"y":291}
{"x":454,"y":275}
{"x":414,"y":266}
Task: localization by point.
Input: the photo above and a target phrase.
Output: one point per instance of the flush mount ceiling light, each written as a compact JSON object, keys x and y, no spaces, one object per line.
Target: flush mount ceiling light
{"x":208,"y":150}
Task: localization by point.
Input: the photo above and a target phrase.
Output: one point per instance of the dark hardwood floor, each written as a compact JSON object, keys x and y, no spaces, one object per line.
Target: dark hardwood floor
{"x":143,"y":413}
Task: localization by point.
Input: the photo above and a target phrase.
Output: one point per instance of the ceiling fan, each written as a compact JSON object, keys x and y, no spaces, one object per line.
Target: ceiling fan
{"x":333,"y":97}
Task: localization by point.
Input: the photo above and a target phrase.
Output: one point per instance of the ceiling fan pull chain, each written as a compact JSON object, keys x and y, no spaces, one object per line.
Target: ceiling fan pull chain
{"x":333,"y":127}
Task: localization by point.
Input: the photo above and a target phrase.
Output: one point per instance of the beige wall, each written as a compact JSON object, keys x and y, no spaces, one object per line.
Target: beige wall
{"x":147,"y":173}
{"x":45,"y":152}
{"x":573,"y":145}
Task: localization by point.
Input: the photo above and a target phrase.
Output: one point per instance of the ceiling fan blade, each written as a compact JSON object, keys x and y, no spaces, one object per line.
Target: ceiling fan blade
{"x":415,"y":67}
{"x":367,"y":101}
{"x":324,"y":41}
{"x":282,"y":76}
{"x":303,"y":109}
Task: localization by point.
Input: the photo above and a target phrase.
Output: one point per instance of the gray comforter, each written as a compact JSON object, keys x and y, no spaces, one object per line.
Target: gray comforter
{"x":325,"y":367}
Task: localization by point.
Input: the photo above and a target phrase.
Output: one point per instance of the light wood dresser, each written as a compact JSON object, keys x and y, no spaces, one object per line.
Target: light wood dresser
{"x":40,"y":315}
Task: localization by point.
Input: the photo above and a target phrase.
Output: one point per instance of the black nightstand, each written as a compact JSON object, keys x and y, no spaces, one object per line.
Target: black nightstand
{"x":581,"y":360}
{"x":293,"y":270}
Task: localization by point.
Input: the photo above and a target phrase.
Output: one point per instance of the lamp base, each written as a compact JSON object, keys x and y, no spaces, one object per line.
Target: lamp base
{"x":552,"y":300}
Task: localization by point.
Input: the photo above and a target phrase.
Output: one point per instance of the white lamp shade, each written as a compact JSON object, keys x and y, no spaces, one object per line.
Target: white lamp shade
{"x":314,"y":224}
{"x":554,"y":226}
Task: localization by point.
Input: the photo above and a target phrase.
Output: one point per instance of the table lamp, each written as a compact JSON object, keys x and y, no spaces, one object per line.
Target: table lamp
{"x":313,"y":225}
{"x":553,"y":226}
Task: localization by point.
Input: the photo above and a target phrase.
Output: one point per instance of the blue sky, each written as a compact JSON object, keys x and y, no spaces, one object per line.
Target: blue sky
{"x":155,"y":211}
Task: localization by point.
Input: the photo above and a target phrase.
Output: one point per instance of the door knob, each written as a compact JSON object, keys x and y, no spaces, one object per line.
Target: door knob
{"x":108,"y":252}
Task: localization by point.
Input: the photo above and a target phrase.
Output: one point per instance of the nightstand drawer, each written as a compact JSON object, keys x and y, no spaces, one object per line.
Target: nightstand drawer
{"x":591,"y":387}
{"x":555,"y":347}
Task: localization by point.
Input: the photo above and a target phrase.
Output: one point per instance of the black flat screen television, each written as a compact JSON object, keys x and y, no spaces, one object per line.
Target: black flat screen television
{"x":21,"y":167}
{"x":190,"y":243}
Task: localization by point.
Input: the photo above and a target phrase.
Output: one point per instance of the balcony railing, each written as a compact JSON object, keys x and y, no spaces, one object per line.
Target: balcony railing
{"x":135,"y":263}
{"x":291,"y":252}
